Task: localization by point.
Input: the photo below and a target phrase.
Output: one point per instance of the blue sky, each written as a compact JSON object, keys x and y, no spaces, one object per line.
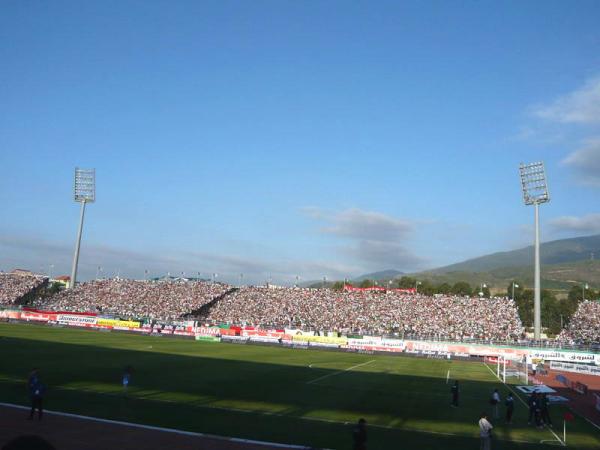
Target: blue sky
{"x":278,"y":138}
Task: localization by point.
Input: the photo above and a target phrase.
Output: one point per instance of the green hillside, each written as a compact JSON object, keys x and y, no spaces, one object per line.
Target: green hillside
{"x":554,"y":276}
{"x":553,"y":252}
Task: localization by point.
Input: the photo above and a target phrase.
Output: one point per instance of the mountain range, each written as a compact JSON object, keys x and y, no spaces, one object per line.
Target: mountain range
{"x":565,"y":262}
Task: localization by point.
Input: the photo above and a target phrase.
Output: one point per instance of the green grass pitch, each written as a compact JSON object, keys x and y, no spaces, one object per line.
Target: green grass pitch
{"x":292,"y":396}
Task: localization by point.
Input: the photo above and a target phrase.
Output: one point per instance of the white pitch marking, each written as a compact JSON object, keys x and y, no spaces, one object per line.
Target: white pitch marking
{"x":150,"y":427}
{"x":339,"y":372}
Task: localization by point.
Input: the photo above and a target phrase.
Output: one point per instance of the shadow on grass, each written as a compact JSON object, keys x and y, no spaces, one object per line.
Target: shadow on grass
{"x":255,"y":400}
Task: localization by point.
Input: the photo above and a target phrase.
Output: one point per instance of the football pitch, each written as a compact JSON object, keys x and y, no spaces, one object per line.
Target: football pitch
{"x":293,"y":396}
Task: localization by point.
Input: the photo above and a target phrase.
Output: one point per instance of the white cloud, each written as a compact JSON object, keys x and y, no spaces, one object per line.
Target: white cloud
{"x":374,"y":238}
{"x":586,"y":162}
{"x":578,"y":107}
{"x":584,"y":224}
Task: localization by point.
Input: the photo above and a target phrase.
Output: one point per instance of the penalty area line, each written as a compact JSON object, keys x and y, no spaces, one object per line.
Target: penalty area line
{"x":339,"y":372}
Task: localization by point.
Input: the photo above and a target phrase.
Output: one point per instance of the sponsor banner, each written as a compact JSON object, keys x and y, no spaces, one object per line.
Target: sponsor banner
{"x":209,"y":331}
{"x":321,"y":339}
{"x":38,"y":316}
{"x":208,"y":338}
{"x":323,"y":344}
{"x":470,"y":349}
{"x":566,"y":356}
{"x":377,"y":344}
{"x":117,"y":323}
{"x":263,"y":333}
{"x":349,"y":288}
{"x":10,"y":314}
{"x":297,"y":344}
{"x":575,"y":368}
{"x":183,"y":333}
{"x":76,"y":320}
{"x":229,"y":332}
{"x":296,"y":332}
{"x":267,"y":339}
{"x":240,"y":339}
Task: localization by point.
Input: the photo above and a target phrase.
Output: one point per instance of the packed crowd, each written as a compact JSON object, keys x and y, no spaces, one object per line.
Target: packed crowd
{"x":445,"y":317}
{"x":158,"y":300}
{"x":584,"y":327}
{"x":14,"y":286}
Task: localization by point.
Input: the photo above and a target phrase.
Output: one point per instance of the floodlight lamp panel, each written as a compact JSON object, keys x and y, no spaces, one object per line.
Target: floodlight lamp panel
{"x":85,"y":185}
{"x":533,"y":183}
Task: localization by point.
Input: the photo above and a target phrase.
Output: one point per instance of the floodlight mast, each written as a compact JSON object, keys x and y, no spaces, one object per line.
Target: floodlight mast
{"x":84,"y":192}
{"x":535,"y":192}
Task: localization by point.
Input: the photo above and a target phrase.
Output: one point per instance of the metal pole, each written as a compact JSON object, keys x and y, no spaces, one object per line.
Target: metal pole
{"x":513,"y":291}
{"x":537,"y":294}
{"x":77,"y":244}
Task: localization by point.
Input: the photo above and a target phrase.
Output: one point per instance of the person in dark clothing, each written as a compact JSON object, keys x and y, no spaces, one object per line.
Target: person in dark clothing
{"x":359,"y":435}
{"x":545,"y":412}
{"x":532,"y":402}
{"x":510,"y":407}
{"x":455,"y":391}
{"x":36,"y":393}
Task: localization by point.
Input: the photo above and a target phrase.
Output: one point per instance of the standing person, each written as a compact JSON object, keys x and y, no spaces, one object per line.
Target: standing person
{"x":532,"y":403}
{"x":36,"y":393}
{"x":455,"y":391}
{"x":494,"y":402}
{"x":485,"y":432}
{"x":545,"y":413}
{"x":126,"y":378}
{"x":510,"y":407}
{"x":359,"y":435}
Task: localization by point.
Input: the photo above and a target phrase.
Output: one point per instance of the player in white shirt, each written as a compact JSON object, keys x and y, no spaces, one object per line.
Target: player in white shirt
{"x":495,"y":401}
{"x":485,"y":432}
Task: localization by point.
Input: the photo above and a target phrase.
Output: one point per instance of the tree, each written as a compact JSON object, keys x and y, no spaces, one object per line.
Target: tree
{"x":338,"y":285}
{"x":525,"y":307}
{"x":519,"y":288}
{"x":462,"y":288}
{"x":366,"y":283}
{"x":407,"y":282}
{"x":426,"y":288}
{"x":550,"y":312}
{"x":443,"y":288}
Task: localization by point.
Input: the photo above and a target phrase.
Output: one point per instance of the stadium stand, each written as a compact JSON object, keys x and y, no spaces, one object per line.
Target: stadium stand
{"x":584,"y":327}
{"x":18,"y":287}
{"x":159,"y":300}
{"x":444,"y":317}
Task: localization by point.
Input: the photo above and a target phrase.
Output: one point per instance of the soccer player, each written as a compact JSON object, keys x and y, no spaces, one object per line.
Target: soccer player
{"x":126,"y":378}
{"x":485,"y":432}
{"x":510,"y":407}
{"x":36,"y":393}
{"x":532,"y":403}
{"x":494,"y":401}
{"x":359,"y":435}
{"x":544,"y":410}
{"x":455,"y":391}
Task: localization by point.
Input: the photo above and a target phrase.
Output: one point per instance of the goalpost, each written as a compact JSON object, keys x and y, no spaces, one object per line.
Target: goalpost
{"x":518,"y":369}
{"x":506,"y":368}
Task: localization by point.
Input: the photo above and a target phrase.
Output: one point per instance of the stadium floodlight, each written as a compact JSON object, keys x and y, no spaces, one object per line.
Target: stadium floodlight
{"x":85,"y":192}
{"x":535,"y":192}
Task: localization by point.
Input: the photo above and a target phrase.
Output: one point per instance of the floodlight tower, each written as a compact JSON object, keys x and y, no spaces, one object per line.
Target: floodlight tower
{"x":535,"y":192}
{"x":85,"y":192}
